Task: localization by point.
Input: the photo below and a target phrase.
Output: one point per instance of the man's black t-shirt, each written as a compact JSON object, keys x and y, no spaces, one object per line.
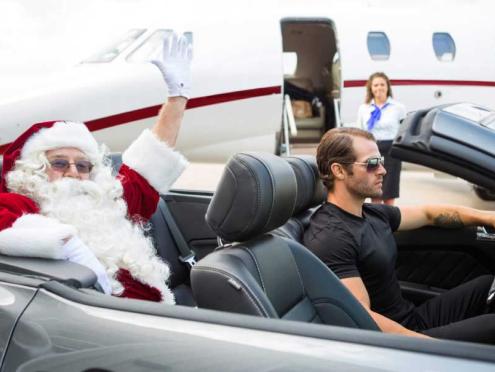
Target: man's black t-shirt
{"x":353,"y":246}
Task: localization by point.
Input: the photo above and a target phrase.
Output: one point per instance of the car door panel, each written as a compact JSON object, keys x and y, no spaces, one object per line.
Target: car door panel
{"x":458,"y":139}
{"x":431,"y":260}
{"x":188,"y":211}
{"x":13,"y":301}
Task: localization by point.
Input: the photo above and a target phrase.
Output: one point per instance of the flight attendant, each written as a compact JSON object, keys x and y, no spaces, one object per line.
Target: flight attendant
{"x":381,"y":115}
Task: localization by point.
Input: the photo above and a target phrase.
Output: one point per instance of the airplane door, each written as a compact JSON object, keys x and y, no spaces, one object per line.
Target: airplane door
{"x":311,"y":76}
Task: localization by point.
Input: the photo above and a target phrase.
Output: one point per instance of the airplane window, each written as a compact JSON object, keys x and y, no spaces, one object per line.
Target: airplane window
{"x":378,"y":46}
{"x":152,"y":45}
{"x":109,"y":53}
{"x":290,"y":63}
{"x":444,"y":46}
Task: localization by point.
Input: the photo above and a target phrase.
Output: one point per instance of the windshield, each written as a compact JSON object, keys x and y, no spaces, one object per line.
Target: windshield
{"x":110,"y":52}
{"x":153,"y":45}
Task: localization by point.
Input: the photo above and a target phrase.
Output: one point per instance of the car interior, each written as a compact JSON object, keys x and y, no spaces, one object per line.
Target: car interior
{"x":265,"y":274}
{"x":430,"y":260}
{"x":249,"y":254}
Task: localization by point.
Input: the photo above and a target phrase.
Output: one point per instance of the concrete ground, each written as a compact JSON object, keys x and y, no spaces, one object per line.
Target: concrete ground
{"x":419,"y":185}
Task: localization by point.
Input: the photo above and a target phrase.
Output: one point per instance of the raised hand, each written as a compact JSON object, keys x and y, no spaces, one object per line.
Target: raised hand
{"x":174,"y":62}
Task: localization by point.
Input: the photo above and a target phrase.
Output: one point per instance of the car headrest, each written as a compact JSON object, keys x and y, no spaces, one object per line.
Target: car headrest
{"x":256,"y":194}
{"x":310,"y":189}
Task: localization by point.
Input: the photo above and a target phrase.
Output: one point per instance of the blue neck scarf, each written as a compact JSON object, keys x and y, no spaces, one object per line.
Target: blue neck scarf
{"x":376,"y":114}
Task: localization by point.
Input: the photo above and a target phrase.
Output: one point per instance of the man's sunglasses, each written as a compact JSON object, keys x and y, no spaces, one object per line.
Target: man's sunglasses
{"x":63,"y":165}
{"x":371,"y":164}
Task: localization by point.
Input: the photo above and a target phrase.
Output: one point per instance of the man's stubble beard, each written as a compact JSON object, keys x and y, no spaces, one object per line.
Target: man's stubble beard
{"x":363,"y":190}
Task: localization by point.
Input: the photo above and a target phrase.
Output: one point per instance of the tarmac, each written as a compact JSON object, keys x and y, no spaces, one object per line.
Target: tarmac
{"x":419,"y":185}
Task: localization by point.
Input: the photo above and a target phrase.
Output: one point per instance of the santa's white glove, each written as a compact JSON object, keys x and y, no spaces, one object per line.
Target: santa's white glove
{"x":174,"y":62}
{"x":76,"y":251}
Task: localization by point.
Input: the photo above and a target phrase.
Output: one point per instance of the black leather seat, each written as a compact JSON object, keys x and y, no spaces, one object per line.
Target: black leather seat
{"x":262,"y":273}
{"x":310,"y":194}
{"x":167,"y":249}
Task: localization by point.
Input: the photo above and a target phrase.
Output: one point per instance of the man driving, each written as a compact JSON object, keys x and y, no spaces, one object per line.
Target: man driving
{"x":355,"y":239}
{"x":60,"y":200}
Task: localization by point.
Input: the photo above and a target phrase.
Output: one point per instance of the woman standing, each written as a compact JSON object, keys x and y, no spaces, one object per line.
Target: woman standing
{"x":381,"y":115}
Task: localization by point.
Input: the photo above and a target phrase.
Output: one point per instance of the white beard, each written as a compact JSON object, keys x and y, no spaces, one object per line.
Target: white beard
{"x":99,"y":213}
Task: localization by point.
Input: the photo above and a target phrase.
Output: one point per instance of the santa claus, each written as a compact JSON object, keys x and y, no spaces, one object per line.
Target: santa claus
{"x":59,"y":199}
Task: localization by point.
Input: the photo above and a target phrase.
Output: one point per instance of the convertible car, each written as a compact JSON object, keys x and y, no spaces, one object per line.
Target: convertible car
{"x":250,"y":296}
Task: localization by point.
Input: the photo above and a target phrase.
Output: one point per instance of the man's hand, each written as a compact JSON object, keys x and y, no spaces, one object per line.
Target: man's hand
{"x":174,"y":62}
{"x":76,"y":251}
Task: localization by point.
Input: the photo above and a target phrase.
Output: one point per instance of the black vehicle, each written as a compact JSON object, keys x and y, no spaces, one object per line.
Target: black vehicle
{"x":272,"y":315}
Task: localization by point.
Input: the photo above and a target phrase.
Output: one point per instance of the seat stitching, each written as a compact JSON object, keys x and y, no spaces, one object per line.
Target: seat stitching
{"x":298,"y":272}
{"x":312,"y":175}
{"x":315,"y":315}
{"x":301,"y":225}
{"x":258,"y":187}
{"x":274,"y":187}
{"x":302,"y":301}
{"x":257,"y":267}
{"x":250,"y":295}
{"x":340,"y":304}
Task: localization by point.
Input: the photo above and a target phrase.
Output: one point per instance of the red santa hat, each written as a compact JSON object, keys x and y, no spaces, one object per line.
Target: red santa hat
{"x":48,"y":136}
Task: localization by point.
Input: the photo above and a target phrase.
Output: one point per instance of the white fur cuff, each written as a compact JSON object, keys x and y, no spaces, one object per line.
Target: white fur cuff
{"x":34,"y":235}
{"x":155,"y":160}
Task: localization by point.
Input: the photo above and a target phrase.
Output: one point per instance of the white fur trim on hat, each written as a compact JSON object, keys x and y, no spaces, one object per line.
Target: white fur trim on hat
{"x":62,"y":134}
{"x":34,"y":235}
{"x":155,"y":160}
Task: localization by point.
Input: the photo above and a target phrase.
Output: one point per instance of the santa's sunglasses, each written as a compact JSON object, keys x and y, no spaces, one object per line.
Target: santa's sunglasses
{"x":63,"y":165}
{"x":372,"y":164}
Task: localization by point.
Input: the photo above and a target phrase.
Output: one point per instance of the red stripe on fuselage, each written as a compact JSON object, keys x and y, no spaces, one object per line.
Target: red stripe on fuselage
{"x":475,"y":83}
{"x":149,"y":112}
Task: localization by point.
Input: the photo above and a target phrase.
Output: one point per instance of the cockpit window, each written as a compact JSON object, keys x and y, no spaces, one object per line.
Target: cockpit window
{"x":111,"y":52}
{"x":378,"y":46}
{"x":444,"y":46}
{"x":152,"y":45}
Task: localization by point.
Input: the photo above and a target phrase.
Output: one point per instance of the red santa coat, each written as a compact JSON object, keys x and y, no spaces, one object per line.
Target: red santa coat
{"x":150,"y":167}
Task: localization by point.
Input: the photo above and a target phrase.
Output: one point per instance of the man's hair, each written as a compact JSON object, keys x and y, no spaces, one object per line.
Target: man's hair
{"x":336,"y":147}
{"x":369,"y":95}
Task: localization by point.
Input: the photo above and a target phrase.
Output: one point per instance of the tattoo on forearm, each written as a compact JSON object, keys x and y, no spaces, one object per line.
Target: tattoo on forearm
{"x":449,"y":220}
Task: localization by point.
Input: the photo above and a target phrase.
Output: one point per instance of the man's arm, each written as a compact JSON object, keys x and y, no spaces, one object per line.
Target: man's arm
{"x":174,"y":63}
{"x":448,"y":216}
{"x":151,"y":165}
{"x":357,"y":288}
{"x":169,"y":120}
